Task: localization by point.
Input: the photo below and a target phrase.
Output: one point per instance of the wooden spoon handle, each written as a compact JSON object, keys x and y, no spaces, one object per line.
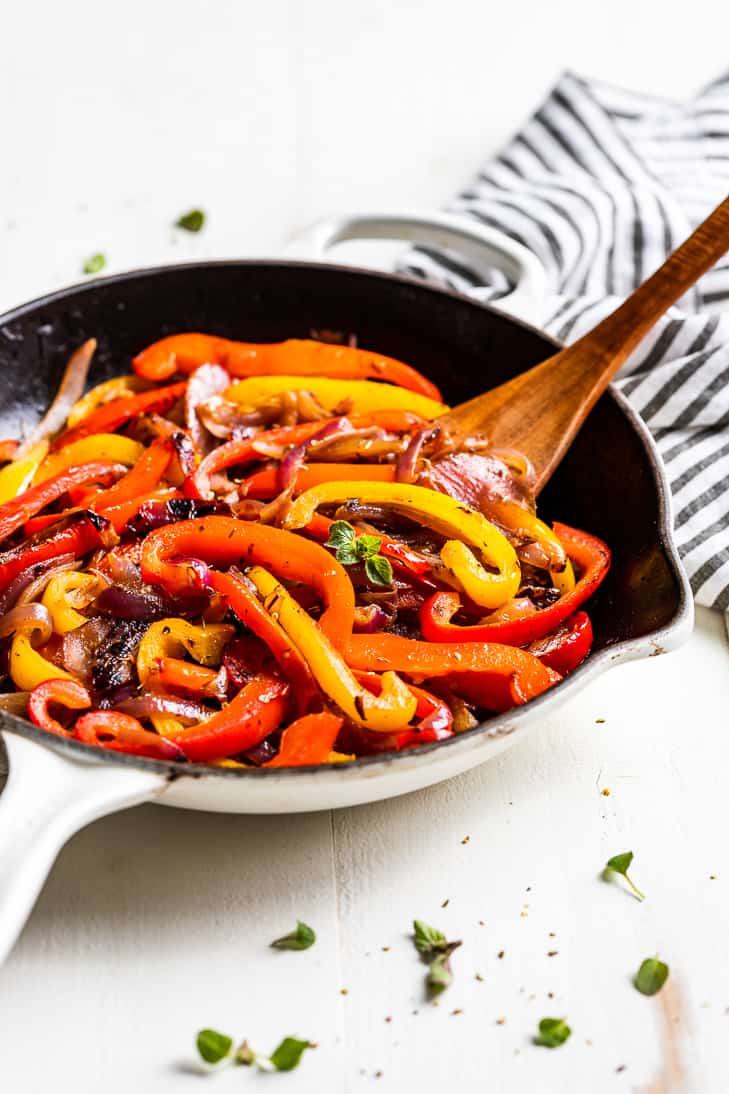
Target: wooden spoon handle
{"x":614,"y":339}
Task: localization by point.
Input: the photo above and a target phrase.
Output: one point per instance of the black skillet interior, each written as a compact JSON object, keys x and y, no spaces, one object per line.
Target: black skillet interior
{"x":606,"y":484}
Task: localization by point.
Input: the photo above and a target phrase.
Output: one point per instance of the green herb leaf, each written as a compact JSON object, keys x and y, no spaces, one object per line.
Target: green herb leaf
{"x":192,"y":221}
{"x":378,"y":570}
{"x":288,"y":1054}
{"x":95,"y":264}
{"x":245,"y":1055}
{"x":427,"y":939}
{"x":553,"y":1032}
{"x":651,"y":976}
{"x":620,"y":864}
{"x":440,"y":974}
{"x":341,"y":534}
{"x":300,"y":939}
{"x":213,"y":1046}
{"x":367,"y":546}
{"x":347,"y":555}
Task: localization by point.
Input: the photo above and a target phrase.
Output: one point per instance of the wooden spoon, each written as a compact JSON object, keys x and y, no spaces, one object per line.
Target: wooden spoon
{"x":540,"y":412}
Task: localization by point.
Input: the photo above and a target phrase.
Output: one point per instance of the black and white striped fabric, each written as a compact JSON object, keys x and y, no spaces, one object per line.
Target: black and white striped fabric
{"x":602,"y":185}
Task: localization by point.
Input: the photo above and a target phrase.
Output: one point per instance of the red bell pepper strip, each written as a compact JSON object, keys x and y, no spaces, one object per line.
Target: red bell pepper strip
{"x":505,"y":675}
{"x":77,"y":539}
{"x":8,"y":450}
{"x":141,"y":479}
{"x":308,"y":740}
{"x":65,"y":693}
{"x":256,"y":711}
{"x":588,"y":553}
{"x":110,"y":416}
{"x":246,"y":605}
{"x":244,"y":658}
{"x":264,"y":484}
{"x":249,"y":449}
{"x":224,"y":541}
{"x":294,"y":357}
{"x":568,"y":646}
{"x":121,"y":733}
{"x":31,"y":501}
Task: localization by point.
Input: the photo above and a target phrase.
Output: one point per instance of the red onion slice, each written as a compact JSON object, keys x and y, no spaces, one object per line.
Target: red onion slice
{"x":70,"y":391}
{"x":28,"y":619}
{"x":144,"y":706}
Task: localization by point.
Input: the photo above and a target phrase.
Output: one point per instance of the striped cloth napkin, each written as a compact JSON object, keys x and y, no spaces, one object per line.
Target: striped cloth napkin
{"x":602,"y":184}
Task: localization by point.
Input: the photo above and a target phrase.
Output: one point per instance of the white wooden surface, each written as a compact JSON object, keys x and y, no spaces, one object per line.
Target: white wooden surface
{"x":155,"y":922}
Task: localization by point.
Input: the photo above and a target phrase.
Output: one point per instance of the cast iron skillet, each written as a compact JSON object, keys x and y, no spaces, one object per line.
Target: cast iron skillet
{"x":610,"y":483}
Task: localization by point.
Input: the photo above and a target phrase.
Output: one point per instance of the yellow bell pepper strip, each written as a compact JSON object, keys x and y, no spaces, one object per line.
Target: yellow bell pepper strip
{"x":256,"y":711}
{"x":18,"y":475}
{"x":530,"y":529}
{"x":76,"y":539}
{"x":29,"y":668}
{"x":296,"y":356}
{"x":362,"y":396}
{"x":15,"y":513}
{"x":101,"y":447}
{"x":67,"y":592}
{"x":64,"y":693}
{"x":588,"y":553}
{"x":113,"y":415}
{"x":501,"y":676}
{"x":121,"y":733}
{"x":308,"y":740}
{"x":443,"y":515}
{"x":116,"y":388}
{"x":387,"y":712}
{"x":175,"y":557}
{"x":176,"y":637}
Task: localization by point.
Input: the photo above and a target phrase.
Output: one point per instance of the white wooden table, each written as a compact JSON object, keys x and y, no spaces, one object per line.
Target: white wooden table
{"x":157,"y":922}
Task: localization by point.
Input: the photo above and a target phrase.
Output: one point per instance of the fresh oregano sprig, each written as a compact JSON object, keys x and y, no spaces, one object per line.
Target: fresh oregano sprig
{"x":351,"y":549}
{"x":214,"y":1047}
{"x":620,"y":864}
{"x":301,"y":939}
{"x":435,"y":950}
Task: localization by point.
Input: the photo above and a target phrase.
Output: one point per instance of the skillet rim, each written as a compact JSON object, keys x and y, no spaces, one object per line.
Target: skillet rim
{"x":667,"y":636}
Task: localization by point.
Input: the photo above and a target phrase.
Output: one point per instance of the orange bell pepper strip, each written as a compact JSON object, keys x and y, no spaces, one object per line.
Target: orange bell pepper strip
{"x":169,"y":558}
{"x":8,"y":450}
{"x":505,"y":675}
{"x":249,"y":449}
{"x":64,"y":693}
{"x":296,"y":357}
{"x":121,"y":733}
{"x":15,"y":513}
{"x":186,"y":676}
{"x":110,"y":416}
{"x":264,"y":484}
{"x":77,"y":540}
{"x":256,"y":711}
{"x":591,"y":557}
{"x":248,"y":608}
{"x":141,"y":479}
{"x":308,"y":740}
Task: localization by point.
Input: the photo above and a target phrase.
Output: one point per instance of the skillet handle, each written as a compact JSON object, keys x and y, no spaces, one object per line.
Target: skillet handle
{"x":49,"y":796}
{"x":445,"y":230}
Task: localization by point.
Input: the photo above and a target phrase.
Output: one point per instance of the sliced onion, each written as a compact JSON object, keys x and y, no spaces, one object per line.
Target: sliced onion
{"x":28,"y":619}
{"x":369,"y":618}
{"x":123,"y":603}
{"x":205,"y":382}
{"x":516,"y":461}
{"x":23,"y":581}
{"x":34,"y":590}
{"x":144,"y":706}
{"x":407,"y":462}
{"x":70,"y":390}
{"x":294,"y":458}
{"x":78,"y":648}
{"x":15,"y":702}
